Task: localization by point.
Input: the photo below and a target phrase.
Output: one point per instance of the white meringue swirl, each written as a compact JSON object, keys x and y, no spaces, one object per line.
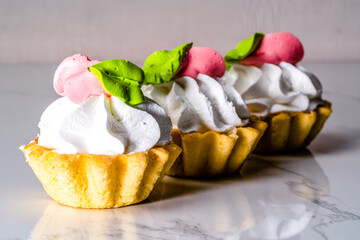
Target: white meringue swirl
{"x":271,"y":88}
{"x":103,"y":125}
{"x":200,"y":104}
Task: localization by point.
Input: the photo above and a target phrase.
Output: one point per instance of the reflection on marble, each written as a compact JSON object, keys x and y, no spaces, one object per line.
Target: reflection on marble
{"x":273,"y":198}
{"x":287,"y":208}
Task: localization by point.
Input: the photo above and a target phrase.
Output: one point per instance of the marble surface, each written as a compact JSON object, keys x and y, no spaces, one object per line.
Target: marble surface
{"x":313,"y":194}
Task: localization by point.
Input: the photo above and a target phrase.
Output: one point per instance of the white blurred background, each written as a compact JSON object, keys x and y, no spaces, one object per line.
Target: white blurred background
{"x":40,"y":31}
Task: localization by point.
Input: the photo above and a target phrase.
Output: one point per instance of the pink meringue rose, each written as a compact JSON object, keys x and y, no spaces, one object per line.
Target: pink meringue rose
{"x":73,"y":80}
{"x":276,"y":48}
{"x":203,"y":60}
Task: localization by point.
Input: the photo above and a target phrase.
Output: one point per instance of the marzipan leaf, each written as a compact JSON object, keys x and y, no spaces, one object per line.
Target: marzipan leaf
{"x":161,"y":66}
{"x":120,"y":78}
{"x":243,"y":49}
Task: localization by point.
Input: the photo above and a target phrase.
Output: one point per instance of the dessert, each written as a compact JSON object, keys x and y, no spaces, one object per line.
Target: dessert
{"x":264,"y":70}
{"x":102,"y":144}
{"x":209,"y":117}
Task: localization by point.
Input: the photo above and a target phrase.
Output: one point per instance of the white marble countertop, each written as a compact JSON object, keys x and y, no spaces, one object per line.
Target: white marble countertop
{"x":313,"y":194}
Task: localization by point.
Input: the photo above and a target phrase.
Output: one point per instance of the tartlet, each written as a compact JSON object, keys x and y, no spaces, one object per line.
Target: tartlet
{"x":99,"y":148}
{"x":291,"y":131}
{"x":264,"y":70}
{"x":99,"y":181}
{"x":210,"y":119}
{"x":214,"y":154}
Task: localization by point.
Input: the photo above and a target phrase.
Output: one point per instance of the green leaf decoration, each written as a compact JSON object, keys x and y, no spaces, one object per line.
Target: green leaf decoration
{"x":161,"y":66}
{"x":120,"y":78}
{"x":243,"y":49}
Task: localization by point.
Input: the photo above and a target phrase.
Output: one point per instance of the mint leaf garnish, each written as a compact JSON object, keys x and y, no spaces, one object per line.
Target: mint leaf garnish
{"x":243,"y":49}
{"x":120,"y":78}
{"x":161,"y":66}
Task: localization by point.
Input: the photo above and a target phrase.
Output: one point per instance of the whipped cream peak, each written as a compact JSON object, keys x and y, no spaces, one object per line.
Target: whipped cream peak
{"x":162,"y":119}
{"x":301,"y":81}
{"x":271,"y":88}
{"x":103,"y":125}
{"x":200,"y":104}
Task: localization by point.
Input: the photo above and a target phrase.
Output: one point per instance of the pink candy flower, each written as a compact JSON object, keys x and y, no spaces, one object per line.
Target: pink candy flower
{"x":73,"y":80}
{"x":276,"y":48}
{"x":203,"y":60}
